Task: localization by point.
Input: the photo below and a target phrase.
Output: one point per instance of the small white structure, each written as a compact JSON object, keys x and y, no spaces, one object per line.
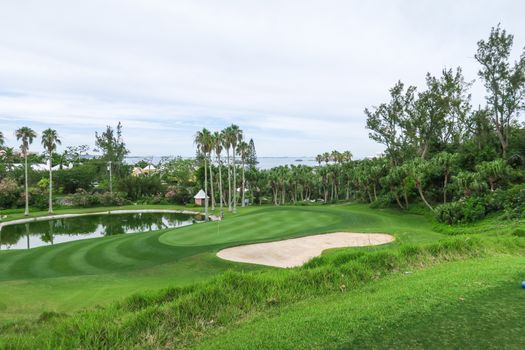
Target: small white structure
{"x":149,"y":169}
{"x":200,"y":197}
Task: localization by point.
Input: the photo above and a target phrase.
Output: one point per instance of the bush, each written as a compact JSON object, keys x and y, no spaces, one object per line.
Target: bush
{"x":137,"y":187}
{"x":519,"y":232}
{"x":465,"y":210}
{"x":9,"y":193}
{"x":84,"y":199}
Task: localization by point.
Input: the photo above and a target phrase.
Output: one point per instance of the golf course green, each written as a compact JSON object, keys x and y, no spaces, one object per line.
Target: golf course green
{"x":148,"y":280}
{"x":71,"y":276}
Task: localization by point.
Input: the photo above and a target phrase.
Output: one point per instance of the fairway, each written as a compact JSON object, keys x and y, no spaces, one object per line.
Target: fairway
{"x":70,"y":276}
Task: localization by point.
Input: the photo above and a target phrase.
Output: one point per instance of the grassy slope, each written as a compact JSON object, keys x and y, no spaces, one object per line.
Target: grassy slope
{"x":475,"y":304}
{"x":343,"y":298}
{"x":80,"y":274}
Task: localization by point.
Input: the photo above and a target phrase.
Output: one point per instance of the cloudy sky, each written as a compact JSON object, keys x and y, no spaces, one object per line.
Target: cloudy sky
{"x":295,"y":75}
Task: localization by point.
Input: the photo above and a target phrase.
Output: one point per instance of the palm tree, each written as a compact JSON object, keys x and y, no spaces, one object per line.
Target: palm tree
{"x":203,"y":142}
{"x":217,"y":148}
{"x":226,"y":137}
{"x":492,"y":171}
{"x":236,"y":133}
{"x":50,"y":141}
{"x":243,"y":149}
{"x":27,"y":135}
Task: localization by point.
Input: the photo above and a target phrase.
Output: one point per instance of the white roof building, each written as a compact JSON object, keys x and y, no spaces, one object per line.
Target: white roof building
{"x":201,"y":195}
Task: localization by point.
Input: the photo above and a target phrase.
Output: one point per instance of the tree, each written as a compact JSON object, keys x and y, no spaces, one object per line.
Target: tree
{"x":26,"y":135}
{"x":387,"y":121}
{"x":445,"y":161}
{"x":50,"y":141}
{"x":504,"y":82}
{"x":439,"y":113}
{"x":235,"y":137}
{"x":217,"y":148}
{"x":468,"y":182}
{"x":243,"y":150}
{"x":420,"y":170}
{"x":251,"y":159}
{"x":2,"y":139}
{"x":226,"y":143}
{"x":113,"y":148}
{"x":203,"y":141}
{"x":493,"y":171}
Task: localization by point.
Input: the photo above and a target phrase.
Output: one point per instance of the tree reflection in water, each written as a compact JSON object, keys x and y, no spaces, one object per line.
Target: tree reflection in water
{"x":48,"y":232}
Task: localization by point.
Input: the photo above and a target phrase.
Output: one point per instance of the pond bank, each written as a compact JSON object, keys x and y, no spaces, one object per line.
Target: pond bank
{"x":109,"y":212}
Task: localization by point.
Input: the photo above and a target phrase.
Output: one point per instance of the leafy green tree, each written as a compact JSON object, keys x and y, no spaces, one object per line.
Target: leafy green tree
{"x":387,"y":122}
{"x":445,"y":162}
{"x":50,"y":140}
{"x":469,"y":182}
{"x":493,"y":171}
{"x":504,"y":82}
{"x":113,"y":148}
{"x":251,"y":159}
{"x":439,"y":114}
{"x":26,"y":135}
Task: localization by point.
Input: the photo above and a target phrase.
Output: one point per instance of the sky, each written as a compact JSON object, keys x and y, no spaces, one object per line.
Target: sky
{"x":294,"y":75}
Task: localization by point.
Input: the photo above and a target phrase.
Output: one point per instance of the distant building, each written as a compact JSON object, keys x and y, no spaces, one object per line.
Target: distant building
{"x":148,"y":170}
{"x":137,"y":171}
{"x":200,"y":197}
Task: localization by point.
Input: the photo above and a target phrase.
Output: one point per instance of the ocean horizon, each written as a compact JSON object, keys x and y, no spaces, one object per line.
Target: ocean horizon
{"x":264,"y":162}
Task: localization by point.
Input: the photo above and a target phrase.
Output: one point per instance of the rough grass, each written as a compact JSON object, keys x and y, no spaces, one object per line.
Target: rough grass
{"x":181,"y":317}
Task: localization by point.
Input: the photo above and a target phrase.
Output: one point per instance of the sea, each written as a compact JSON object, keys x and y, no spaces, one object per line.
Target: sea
{"x":264,"y":162}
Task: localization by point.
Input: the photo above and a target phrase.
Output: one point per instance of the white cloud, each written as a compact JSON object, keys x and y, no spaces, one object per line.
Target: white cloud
{"x":296,"y":75}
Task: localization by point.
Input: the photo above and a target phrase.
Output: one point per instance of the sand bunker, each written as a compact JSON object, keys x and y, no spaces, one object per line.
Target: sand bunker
{"x":296,"y":251}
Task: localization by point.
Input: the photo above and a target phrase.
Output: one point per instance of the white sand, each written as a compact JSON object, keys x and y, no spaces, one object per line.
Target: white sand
{"x":297,"y":251}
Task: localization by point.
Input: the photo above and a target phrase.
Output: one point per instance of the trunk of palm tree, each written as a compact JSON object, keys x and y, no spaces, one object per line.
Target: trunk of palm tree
{"x":220,"y":183}
{"x":420,"y":190}
{"x":211,"y":186}
{"x":229,"y":180}
{"x":205,"y":190}
{"x":50,"y":209}
{"x":243,"y":185}
{"x":234,"y":209}
{"x":26,"y":213}
{"x":445,"y":182}
{"x":397,"y":198}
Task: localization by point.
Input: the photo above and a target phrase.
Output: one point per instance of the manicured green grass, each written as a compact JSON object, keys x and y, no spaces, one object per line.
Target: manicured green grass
{"x":338,"y":300}
{"x":71,"y":276}
{"x":473,"y":304}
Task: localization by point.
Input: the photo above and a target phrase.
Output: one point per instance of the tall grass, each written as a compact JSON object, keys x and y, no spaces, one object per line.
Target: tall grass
{"x":179,"y":317}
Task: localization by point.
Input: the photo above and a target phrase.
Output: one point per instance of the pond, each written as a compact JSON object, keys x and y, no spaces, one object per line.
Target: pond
{"x":47,"y":232}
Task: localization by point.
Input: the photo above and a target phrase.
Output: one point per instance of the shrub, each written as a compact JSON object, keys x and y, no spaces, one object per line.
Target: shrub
{"x":464,"y":210}
{"x":84,"y":199}
{"x":519,"y":232}
{"x":9,"y":193}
